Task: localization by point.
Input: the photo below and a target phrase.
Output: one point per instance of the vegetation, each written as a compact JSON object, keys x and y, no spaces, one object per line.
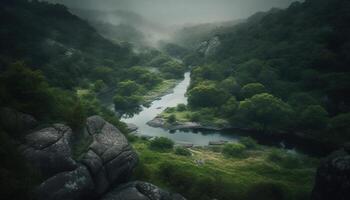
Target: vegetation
{"x":280,"y":71}
{"x":208,"y":174}
{"x":161,"y":144}
{"x":233,"y":149}
{"x":181,"y":151}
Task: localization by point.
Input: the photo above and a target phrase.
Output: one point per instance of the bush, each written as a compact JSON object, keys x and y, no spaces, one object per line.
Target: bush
{"x":233,"y":150}
{"x":181,"y":151}
{"x":181,"y":107}
{"x":161,"y":143}
{"x":249,"y":142}
{"x":171,"y":119}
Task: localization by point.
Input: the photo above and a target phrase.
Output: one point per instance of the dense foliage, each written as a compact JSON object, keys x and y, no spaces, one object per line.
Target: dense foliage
{"x":288,"y":70}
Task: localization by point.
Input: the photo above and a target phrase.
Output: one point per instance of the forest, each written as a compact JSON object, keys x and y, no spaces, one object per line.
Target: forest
{"x":109,"y":101}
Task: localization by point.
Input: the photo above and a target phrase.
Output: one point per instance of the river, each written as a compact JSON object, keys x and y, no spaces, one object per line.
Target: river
{"x":200,"y":138}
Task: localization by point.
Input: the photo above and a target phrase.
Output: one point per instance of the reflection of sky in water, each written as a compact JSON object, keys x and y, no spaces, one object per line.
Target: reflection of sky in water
{"x":172,"y":100}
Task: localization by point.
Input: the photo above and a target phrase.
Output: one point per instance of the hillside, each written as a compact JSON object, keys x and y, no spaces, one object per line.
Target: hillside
{"x":294,"y":60}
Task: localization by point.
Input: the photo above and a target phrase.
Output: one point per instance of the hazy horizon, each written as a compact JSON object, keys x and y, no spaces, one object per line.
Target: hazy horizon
{"x":168,"y":12}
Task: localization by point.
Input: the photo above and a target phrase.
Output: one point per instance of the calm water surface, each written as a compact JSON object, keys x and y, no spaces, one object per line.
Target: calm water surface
{"x":183,"y":137}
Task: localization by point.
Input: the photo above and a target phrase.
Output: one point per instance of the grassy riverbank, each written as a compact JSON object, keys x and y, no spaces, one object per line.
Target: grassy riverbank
{"x":160,"y":90}
{"x":204,"y":116}
{"x":263,"y":171}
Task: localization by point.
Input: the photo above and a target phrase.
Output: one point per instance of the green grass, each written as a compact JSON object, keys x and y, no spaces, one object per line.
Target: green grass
{"x":229,"y":177}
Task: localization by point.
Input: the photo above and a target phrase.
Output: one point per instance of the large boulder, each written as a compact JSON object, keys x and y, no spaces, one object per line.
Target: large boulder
{"x":110,"y":158}
{"x":49,"y":150}
{"x":140,"y":191}
{"x":333,"y":178}
{"x":72,"y":185}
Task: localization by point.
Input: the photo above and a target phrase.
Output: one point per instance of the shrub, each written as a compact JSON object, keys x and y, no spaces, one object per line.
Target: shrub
{"x":249,"y":142}
{"x":171,"y":119}
{"x":161,"y":143}
{"x":233,"y":150}
{"x":195,"y":117}
{"x":182,"y":151}
{"x":181,"y":107}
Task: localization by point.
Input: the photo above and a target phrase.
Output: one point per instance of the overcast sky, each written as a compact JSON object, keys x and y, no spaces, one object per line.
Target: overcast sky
{"x":183,"y":11}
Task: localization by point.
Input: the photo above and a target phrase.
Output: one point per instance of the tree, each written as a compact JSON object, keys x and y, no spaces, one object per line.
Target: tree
{"x":231,"y":85}
{"x":99,"y":85}
{"x":314,"y":117}
{"x":207,"y":96}
{"x":126,"y":103}
{"x":230,"y":107}
{"x":252,"y":89}
{"x":264,"y":111}
{"x":128,"y":88}
{"x":26,"y":90}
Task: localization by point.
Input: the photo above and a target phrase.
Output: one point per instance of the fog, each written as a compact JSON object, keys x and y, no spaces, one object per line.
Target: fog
{"x":157,"y":20}
{"x":170,"y":12}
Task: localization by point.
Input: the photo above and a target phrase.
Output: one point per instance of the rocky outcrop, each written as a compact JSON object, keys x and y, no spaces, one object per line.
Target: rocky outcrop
{"x":49,"y":150}
{"x":110,"y":159}
{"x":333,"y":178}
{"x":107,"y":163}
{"x":209,"y":47}
{"x":140,"y":191}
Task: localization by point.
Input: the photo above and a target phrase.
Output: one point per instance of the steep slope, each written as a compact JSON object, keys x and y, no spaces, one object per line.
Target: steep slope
{"x":49,"y":37}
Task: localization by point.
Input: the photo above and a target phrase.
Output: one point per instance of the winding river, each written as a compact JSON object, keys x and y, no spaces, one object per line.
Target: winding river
{"x":200,"y":138}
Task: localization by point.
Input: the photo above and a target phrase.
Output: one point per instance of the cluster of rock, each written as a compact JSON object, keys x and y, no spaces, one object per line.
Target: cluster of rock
{"x":209,"y":47}
{"x":101,"y":173}
{"x":333,"y":177}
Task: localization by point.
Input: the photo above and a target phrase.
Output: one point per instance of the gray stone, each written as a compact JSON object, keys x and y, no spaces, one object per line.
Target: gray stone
{"x":49,"y":150}
{"x":132,"y":127}
{"x":110,"y":159}
{"x":70,"y":185}
{"x":140,"y":191}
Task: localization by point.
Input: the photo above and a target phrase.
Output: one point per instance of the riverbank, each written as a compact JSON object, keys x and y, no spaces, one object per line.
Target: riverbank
{"x":301,"y":141}
{"x":208,"y":174}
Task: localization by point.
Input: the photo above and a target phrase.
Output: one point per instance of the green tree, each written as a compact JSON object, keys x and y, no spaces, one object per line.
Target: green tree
{"x":231,"y":85}
{"x":230,"y":107}
{"x":264,"y":111}
{"x":128,"y":88}
{"x":26,"y":90}
{"x":207,"y":96}
{"x":252,"y":89}
{"x":99,"y":85}
{"x":314,"y":117}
